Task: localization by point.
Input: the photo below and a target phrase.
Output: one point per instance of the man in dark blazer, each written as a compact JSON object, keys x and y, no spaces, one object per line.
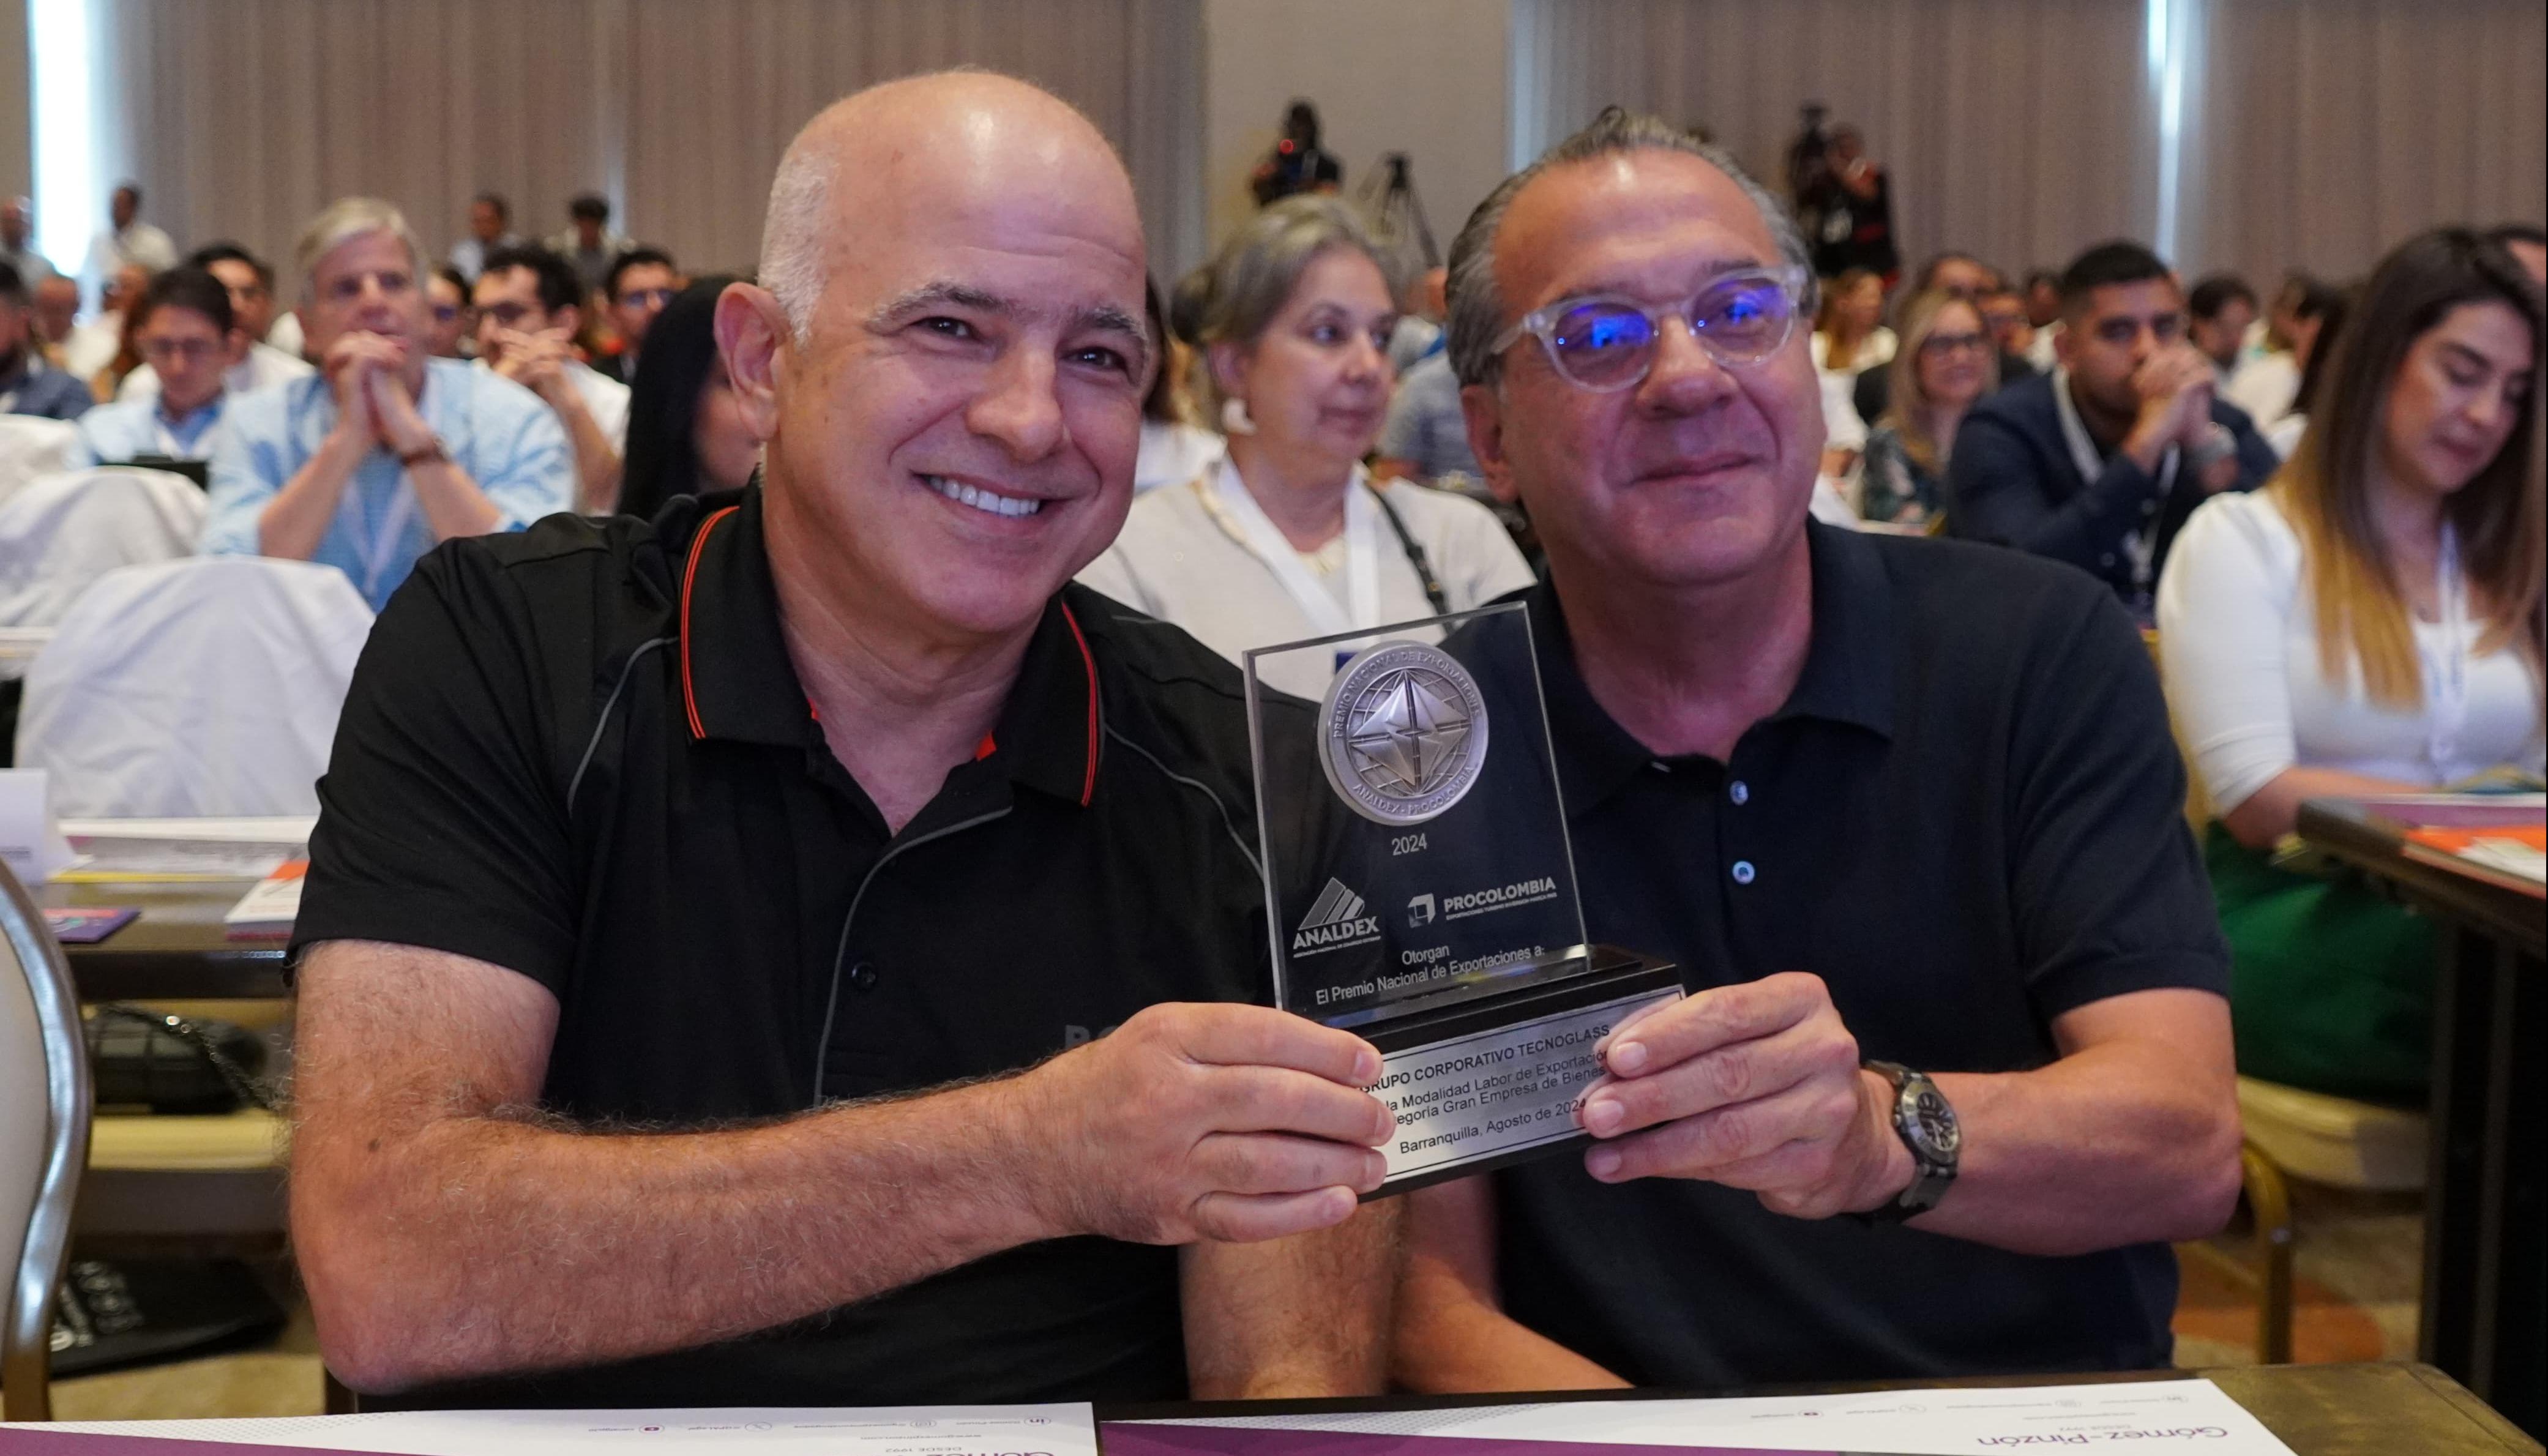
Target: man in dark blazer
{"x":2100,"y":462}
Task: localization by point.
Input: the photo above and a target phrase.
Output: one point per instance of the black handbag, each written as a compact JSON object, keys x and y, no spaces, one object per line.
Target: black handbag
{"x":138,"y":1057}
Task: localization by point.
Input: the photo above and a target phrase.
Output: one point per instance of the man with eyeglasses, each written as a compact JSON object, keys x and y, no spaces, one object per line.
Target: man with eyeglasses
{"x":2100,"y":462}
{"x":1954,"y":1061}
{"x":386,"y":451}
{"x":448,"y":324}
{"x":29,"y":384}
{"x":641,"y":284}
{"x":250,"y":283}
{"x":187,"y":333}
{"x":529,"y":312}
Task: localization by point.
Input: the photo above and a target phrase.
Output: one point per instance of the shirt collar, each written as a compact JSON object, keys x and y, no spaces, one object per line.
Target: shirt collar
{"x":1848,"y":677}
{"x":193,"y":420}
{"x":739,"y":683}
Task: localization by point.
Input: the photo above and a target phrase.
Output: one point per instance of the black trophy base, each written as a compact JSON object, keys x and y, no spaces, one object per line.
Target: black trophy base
{"x":1485,"y":1075}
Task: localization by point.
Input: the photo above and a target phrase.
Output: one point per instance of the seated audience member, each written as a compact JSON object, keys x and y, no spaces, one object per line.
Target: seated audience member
{"x":1756,"y":719}
{"x":56,"y":316}
{"x":2003,"y":311}
{"x":185,"y":330}
{"x":2267,"y":383}
{"x":2218,"y":313}
{"x":640,"y":285}
{"x":1174,"y":448}
{"x":529,"y":309}
{"x":1850,"y":336}
{"x":491,"y":226}
{"x":449,"y":324}
{"x":126,"y":243}
{"x":2316,"y":352}
{"x":1425,"y":437}
{"x":2368,"y":623}
{"x":1850,"y":342}
{"x":2044,"y":312}
{"x":686,"y":433}
{"x":2098,"y":462}
{"x":1946,"y":364}
{"x":29,"y":384}
{"x":1418,"y":335}
{"x":1289,"y":536}
{"x":587,"y":244}
{"x":18,"y":241}
{"x":387,"y":450}
{"x":728,"y":1040}
{"x":251,"y":288}
{"x":2528,"y":244}
{"x":1958,"y":275}
{"x":93,"y":347}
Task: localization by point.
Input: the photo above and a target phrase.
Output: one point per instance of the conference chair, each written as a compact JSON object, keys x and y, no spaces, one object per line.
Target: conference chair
{"x":2288,"y":1133}
{"x":61,"y":533}
{"x":32,"y":446}
{"x":43,"y":1139}
{"x":203,"y":686}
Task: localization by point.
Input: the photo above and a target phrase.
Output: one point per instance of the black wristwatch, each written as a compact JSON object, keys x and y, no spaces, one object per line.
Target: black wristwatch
{"x":1925,"y":1124}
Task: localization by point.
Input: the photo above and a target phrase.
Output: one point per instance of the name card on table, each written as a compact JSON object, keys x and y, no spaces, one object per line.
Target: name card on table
{"x":31,"y":840}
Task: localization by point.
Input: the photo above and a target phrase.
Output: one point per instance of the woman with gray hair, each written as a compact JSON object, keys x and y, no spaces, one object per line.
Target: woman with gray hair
{"x":1287,"y":536}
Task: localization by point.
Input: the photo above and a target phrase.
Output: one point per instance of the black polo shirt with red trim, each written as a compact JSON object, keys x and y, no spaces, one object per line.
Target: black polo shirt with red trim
{"x":582,"y":752}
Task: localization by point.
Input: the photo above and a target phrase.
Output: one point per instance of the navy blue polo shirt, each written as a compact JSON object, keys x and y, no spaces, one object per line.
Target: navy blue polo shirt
{"x":582,"y":752}
{"x":1967,"y":819}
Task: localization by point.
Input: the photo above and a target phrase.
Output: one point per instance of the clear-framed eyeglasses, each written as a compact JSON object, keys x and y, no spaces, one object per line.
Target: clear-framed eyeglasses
{"x":1605,"y":341}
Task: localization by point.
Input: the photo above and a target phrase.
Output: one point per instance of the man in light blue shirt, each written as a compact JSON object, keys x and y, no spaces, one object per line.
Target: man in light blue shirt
{"x":386,"y":451}
{"x":185,"y":326}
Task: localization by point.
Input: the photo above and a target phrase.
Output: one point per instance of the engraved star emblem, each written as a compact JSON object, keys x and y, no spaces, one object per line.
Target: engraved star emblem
{"x":1408,"y":731}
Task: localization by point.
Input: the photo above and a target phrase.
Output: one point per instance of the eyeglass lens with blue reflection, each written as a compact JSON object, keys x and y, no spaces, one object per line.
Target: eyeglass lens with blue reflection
{"x":1605,"y":341}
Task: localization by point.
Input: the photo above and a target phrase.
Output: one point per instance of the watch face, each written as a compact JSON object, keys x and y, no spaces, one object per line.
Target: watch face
{"x":1932,"y":1124}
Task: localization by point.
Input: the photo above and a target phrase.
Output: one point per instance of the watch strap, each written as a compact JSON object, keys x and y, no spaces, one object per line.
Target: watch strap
{"x":1930,"y":1178}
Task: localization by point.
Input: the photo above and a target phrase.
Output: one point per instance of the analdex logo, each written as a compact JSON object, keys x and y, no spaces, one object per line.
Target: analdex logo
{"x":1336,"y":921}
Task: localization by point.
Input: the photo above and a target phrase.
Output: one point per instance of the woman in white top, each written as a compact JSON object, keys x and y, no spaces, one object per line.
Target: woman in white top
{"x":1287,"y":536}
{"x":2371,"y":622}
{"x":1174,"y":449}
{"x":1850,"y":339}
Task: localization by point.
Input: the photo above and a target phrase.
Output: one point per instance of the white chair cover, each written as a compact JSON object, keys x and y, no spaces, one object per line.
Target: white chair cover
{"x":65,"y":530}
{"x":32,"y":445}
{"x":203,"y":687}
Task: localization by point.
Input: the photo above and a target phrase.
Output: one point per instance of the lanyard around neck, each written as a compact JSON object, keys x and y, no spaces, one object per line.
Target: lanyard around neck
{"x":2140,"y":543}
{"x":2446,"y":692}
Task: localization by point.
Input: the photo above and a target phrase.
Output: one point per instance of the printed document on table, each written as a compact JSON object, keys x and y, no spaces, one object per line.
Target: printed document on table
{"x":891,"y":1430}
{"x":2169,"y":1415}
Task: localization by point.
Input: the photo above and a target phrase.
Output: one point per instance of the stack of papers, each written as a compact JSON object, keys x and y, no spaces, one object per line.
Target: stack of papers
{"x":937,"y":1430}
{"x":2153,"y":1416}
{"x":112,"y":850}
{"x":270,"y":908}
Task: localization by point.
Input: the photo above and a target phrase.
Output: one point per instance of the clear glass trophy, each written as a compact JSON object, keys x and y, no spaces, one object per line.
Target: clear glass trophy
{"x":1421,"y":886}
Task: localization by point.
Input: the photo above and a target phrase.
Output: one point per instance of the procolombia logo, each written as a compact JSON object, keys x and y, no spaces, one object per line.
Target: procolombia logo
{"x":1336,"y":921}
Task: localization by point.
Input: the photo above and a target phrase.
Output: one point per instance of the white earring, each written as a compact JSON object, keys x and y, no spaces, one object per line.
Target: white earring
{"x":1235,"y":419}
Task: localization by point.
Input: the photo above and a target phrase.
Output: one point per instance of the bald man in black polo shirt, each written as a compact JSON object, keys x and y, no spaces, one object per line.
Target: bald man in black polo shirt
{"x":1905,"y":812}
{"x":764,"y":955}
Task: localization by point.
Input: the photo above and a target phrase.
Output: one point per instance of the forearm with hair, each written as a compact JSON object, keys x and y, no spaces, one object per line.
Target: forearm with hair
{"x":451,"y":501}
{"x":444,"y":1230}
{"x":1304,"y":1316}
{"x":296,"y":519}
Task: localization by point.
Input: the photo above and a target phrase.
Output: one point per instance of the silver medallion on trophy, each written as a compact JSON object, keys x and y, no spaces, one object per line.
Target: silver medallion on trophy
{"x":1422,"y":887}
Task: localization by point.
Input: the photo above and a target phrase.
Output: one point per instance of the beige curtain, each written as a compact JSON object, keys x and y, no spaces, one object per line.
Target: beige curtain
{"x":2018,"y":130}
{"x":2331,"y":129}
{"x":242,"y":118}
